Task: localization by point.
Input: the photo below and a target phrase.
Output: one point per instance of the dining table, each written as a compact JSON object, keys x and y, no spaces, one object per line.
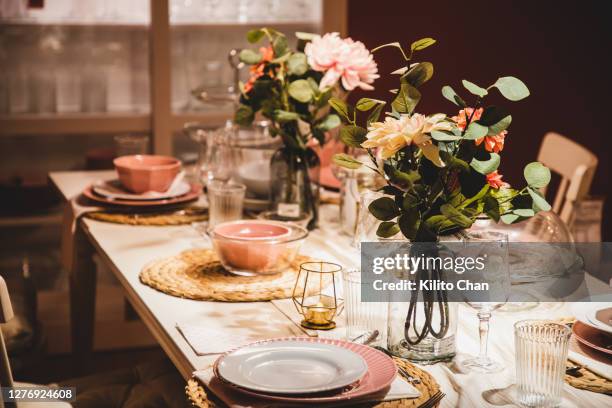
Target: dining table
{"x":127,"y":248}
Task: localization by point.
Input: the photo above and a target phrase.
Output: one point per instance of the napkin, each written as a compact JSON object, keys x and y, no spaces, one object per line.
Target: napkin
{"x":205,"y":340}
{"x":399,"y":389}
{"x":593,"y":361}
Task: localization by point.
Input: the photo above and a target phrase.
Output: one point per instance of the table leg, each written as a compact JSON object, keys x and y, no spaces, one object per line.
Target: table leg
{"x":82,"y":297}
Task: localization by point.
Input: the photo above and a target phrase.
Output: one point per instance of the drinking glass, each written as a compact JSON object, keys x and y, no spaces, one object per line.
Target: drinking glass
{"x":361,"y":317}
{"x":493,"y":247}
{"x":541,"y":351}
{"x":126,"y":145}
{"x":225,"y":201}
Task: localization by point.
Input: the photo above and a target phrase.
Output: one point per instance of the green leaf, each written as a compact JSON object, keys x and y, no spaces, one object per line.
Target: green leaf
{"x":400,"y":179}
{"x":485,"y":167}
{"x":539,"y":202}
{"x":422,"y":44}
{"x":353,"y":136}
{"x":330,"y":122}
{"x":500,"y":126}
{"x":280,"y":46}
{"x":443,"y":136}
{"x":409,"y":223}
{"x":375,"y":114}
{"x":509,"y":218}
{"x":341,"y":108}
{"x":420,"y":73}
{"x":410,"y":200}
{"x":455,"y":216}
{"x":491,"y":115}
{"x":537,"y":175}
{"x":512,"y":88}
{"x":256,"y":35}
{"x":249,"y":57}
{"x":475,"y":131}
{"x":297,"y":64}
{"x":301,"y":91}
{"x":365,"y":104}
{"x":483,"y":191}
{"x":284,"y":116}
{"x":346,"y":161}
{"x":300,"y":35}
{"x":473,"y":88}
{"x":244,"y":115}
{"x":387,"y":229}
{"x":393,"y":44}
{"x":407,"y":98}
{"x":524,"y":212}
{"x":450,"y":94}
{"x":384,"y":208}
{"x":491,"y":208}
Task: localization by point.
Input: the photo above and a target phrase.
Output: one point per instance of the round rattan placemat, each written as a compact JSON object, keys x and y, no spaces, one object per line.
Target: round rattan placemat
{"x":198,"y":274}
{"x":427,"y":386}
{"x":180,"y":217}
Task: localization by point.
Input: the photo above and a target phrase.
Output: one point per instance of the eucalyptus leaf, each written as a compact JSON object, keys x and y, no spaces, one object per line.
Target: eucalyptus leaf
{"x":387,"y":229}
{"x":512,"y":88}
{"x":346,"y":161}
{"x":284,"y":116}
{"x":500,"y":126}
{"x":254,"y":36}
{"x":485,"y":167}
{"x":509,"y":218}
{"x":475,"y":131}
{"x":384,"y":208}
{"x":422,"y":44}
{"x":297,"y":64}
{"x":473,"y":88}
{"x":537,"y":175}
{"x":539,"y":202}
{"x":353,"y":136}
{"x":524,"y":212}
{"x":450,"y":94}
{"x":250,"y":57}
{"x":365,"y":104}
{"x":280,"y":45}
{"x":420,"y":73}
{"x":330,"y":122}
{"x":443,"y":136}
{"x":409,"y":223}
{"x":301,"y":91}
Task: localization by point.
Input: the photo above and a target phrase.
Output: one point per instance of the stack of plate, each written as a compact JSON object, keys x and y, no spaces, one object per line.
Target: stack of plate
{"x":593,"y":326}
{"x":113,"y":193}
{"x":306,"y":370}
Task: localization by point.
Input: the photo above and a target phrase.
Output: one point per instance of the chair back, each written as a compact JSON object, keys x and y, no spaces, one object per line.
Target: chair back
{"x":575,"y":165}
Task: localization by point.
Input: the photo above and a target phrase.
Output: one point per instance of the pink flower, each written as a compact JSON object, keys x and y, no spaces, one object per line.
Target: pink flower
{"x":342,"y":59}
{"x":495,"y":180}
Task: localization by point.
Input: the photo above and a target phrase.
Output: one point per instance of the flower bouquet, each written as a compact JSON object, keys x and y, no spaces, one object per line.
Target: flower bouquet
{"x":441,"y":170}
{"x":291,"y":88}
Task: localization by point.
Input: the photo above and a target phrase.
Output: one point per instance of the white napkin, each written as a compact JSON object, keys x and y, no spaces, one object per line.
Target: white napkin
{"x":399,"y":389}
{"x":205,"y":340}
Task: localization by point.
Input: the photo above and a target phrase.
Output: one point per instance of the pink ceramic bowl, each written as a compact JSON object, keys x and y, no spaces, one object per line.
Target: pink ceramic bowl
{"x":142,"y":173}
{"x":256,"y":247}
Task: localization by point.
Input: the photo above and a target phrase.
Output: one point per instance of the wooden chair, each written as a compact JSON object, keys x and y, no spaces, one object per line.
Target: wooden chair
{"x":575,"y":164}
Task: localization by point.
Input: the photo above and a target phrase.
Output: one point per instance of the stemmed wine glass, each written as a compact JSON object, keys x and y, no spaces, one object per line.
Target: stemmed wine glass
{"x":492,"y":246}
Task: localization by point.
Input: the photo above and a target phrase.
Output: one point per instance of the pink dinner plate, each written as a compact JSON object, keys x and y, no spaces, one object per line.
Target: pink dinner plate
{"x":381,"y":371}
{"x":193,"y":194}
{"x":592,"y":337}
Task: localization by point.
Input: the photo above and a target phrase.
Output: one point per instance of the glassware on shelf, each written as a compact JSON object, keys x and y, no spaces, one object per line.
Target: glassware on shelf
{"x":493,"y":247}
{"x":93,"y":89}
{"x":541,"y":352}
{"x":131,"y":144}
{"x":42,"y":95}
{"x":225,"y":201}
{"x":361,"y":317}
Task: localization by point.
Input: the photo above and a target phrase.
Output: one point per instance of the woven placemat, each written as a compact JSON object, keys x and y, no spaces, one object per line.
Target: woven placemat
{"x":181,"y":217}
{"x":198,"y":274}
{"x":588,"y":380}
{"x":427,"y":386}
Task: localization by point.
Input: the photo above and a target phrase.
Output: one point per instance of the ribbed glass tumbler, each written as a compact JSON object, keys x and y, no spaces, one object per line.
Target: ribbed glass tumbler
{"x":541,"y":351}
{"x":362,"y":317}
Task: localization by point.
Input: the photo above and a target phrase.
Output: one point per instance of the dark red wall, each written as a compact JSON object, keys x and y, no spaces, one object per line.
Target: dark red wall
{"x":560,"y":49}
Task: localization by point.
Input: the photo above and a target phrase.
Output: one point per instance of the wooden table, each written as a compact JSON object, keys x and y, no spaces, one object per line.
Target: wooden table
{"x":127,"y":248}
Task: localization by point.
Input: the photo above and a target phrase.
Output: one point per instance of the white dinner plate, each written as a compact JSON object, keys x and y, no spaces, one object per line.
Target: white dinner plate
{"x":291,"y":367}
{"x":585,"y":313}
{"x":112,"y":189}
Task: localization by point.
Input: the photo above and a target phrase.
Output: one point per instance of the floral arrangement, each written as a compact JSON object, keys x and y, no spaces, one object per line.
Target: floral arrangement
{"x":292,"y":88}
{"x":442,"y":171}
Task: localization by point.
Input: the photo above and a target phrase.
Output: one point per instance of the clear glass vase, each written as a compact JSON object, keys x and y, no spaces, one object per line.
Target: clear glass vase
{"x":294,"y":185}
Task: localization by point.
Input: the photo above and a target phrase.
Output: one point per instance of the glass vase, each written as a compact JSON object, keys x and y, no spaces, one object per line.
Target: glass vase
{"x":294,"y":185}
